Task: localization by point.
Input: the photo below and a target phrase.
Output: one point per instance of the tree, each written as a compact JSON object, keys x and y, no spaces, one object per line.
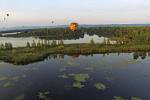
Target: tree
{"x":33,"y":44}
{"x":8,"y":46}
{"x":54,"y":43}
{"x":28,"y":45}
{"x":2,"y":46}
{"x":61,"y":42}
{"x":92,"y":42}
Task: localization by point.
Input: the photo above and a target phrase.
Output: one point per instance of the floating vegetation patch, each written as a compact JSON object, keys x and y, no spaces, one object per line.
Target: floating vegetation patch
{"x":9,"y":81}
{"x":63,"y":76}
{"x":62,"y":69}
{"x":100,"y":86}
{"x":73,"y":64}
{"x":135,"y":98}
{"x":118,"y":98}
{"x":79,"y":80}
{"x":89,"y":68}
{"x":15,"y":78}
{"x":81,"y":77}
{"x":78,"y":85}
{"x":2,"y":78}
{"x":20,"y":97}
{"x":128,"y":62}
{"x":44,"y":95}
{"x":8,"y":84}
{"x":29,"y":69}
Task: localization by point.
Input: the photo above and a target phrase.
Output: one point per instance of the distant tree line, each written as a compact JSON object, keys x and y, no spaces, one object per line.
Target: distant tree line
{"x":45,"y":43}
{"x":65,"y":33}
{"x":6,"y":46}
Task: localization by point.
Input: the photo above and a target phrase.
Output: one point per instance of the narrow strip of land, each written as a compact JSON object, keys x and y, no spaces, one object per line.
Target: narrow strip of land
{"x":26,"y":55}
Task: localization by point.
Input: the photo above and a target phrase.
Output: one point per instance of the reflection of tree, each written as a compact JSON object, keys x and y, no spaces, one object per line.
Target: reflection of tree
{"x":141,"y":55}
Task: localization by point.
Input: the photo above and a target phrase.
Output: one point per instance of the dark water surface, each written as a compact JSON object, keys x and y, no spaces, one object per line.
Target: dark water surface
{"x":74,"y":78}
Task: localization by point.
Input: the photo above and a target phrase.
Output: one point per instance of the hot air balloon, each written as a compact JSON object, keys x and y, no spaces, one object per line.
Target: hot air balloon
{"x":4,"y":19}
{"x":7,"y":15}
{"x":52,"y":22}
{"x":74,"y":26}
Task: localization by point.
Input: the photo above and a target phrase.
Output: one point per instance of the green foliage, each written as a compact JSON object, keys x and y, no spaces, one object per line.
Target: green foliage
{"x":28,"y":45}
{"x":25,"y":55}
{"x":92,"y":42}
{"x":8,"y":84}
{"x":135,"y":98}
{"x":44,"y":95}
{"x":100,"y":86}
{"x":63,"y":76}
{"x":78,"y":85}
{"x":81,"y":77}
{"x":6,"y":46}
{"x":118,"y":98}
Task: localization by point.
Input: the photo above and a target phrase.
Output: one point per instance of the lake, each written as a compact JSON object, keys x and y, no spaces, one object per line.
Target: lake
{"x":78,"y":77}
{"x":21,"y":42}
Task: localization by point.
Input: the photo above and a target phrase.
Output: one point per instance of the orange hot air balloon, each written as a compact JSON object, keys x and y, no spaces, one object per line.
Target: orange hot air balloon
{"x":74,"y":26}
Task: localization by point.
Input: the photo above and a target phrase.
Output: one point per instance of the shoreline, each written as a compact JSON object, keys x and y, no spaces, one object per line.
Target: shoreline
{"x":26,"y":55}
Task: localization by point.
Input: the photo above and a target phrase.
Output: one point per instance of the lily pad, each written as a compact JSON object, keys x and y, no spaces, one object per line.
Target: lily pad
{"x":8,"y":84}
{"x":118,"y":98}
{"x":135,"y":98}
{"x":78,"y":85}
{"x":44,"y":95}
{"x":100,"y":86}
{"x":63,"y":76}
{"x":81,"y":77}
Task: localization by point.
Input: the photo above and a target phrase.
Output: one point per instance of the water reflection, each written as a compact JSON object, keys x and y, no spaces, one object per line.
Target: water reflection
{"x":78,"y":77}
{"x":136,"y":55}
{"x":22,"y":41}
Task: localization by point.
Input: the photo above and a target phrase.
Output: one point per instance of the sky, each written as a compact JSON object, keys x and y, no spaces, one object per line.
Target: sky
{"x":63,"y":12}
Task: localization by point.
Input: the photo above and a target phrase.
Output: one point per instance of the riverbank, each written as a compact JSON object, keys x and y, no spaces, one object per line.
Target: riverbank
{"x":27,"y":55}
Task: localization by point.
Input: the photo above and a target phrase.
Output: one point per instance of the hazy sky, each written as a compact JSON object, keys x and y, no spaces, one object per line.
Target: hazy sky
{"x":42,"y":12}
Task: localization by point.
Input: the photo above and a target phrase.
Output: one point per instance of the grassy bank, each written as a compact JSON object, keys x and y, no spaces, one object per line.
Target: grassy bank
{"x":26,"y":55}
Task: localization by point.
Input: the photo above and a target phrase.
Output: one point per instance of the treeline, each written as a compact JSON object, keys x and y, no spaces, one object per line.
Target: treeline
{"x":136,"y":35}
{"x":45,"y":43}
{"x":6,"y":46}
{"x":65,"y":33}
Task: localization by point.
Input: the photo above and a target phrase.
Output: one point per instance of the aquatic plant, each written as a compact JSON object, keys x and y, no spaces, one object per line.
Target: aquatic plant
{"x":63,"y":76}
{"x":19,"y":97}
{"x":2,"y":78}
{"x":81,"y":77}
{"x":100,"y":86}
{"x":73,"y":64}
{"x":118,"y":98}
{"x":62,"y":69}
{"x":44,"y":95}
{"x":8,"y":84}
{"x":78,"y":85}
{"x":135,"y":98}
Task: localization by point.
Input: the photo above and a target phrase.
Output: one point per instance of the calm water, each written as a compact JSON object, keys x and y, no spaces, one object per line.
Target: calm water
{"x":20,"y":42}
{"x":54,"y":78}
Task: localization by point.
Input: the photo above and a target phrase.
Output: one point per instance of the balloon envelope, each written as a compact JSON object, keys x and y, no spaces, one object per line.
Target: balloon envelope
{"x":74,"y":26}
{"x":7,"y":14}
